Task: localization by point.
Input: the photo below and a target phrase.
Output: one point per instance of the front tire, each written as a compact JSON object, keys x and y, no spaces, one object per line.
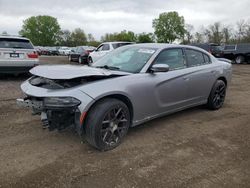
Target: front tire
{"x":217,"y":95}
{"x":107,"y":123}
{"x":80,"y":60}
{"x":90,"y":61}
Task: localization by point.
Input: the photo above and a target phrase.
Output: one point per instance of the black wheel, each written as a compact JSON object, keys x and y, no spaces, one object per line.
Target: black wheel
{"x":90,"y":61}
{"x":80,"y":60}
{"x":217,"y":95}
{"x":240,"y":59}
{"x":107,"y":123}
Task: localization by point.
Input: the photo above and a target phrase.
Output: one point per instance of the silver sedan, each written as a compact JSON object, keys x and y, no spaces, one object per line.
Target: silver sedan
{"x":129,"y":86}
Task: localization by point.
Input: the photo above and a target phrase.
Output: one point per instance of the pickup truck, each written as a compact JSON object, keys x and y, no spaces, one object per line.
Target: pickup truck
{"x":239,"y":53}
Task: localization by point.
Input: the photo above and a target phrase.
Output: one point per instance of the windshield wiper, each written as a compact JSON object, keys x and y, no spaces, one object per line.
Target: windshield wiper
{"x":108,"y":67}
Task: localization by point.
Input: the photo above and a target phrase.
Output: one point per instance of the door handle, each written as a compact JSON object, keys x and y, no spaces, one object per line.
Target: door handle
{"x":185,"y":78}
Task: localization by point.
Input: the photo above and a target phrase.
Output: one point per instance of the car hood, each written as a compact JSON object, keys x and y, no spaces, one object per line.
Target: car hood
{"x":72,"y":71}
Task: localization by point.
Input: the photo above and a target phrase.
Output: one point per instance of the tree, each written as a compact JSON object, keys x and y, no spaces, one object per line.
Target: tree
{"x":214,"y":33}
{"x":145,"y":38}
{"x":41,"y":30}
{"x":169,"y":27}
{"x":65,"y":38}
{"x":227,"y":34}
{"x":188,"y":36}
{"x":78,"y":37}
{"x":122,"y":36}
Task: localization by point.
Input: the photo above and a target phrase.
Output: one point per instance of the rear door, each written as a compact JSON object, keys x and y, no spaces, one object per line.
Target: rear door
{"x":201,"y":75}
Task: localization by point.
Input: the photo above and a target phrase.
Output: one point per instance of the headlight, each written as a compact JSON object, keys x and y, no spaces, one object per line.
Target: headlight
{"x":61,"y":102}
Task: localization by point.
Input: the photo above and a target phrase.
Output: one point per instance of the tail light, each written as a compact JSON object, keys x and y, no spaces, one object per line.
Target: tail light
{"x":32,"y":55}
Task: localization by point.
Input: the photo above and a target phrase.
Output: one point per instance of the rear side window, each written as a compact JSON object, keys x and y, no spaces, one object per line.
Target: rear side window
{"x":117,"y":45}
{"x":196,"y":58}
{"x":206,"y":58}
{"x":105,"y":47}
{"x":15,"y":43}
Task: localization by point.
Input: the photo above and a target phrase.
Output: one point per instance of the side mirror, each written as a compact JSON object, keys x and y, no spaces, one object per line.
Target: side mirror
{"x":159,"y":68}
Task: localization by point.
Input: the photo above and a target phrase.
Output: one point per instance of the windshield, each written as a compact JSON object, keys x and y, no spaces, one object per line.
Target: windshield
{"x":128,"y":59}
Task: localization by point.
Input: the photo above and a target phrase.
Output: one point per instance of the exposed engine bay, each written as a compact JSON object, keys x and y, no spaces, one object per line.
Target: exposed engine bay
{"x":64,"y":83}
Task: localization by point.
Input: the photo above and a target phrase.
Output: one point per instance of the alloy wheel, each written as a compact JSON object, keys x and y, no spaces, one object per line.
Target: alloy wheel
{"x":219,"y":95}
{"x":114,"y":126}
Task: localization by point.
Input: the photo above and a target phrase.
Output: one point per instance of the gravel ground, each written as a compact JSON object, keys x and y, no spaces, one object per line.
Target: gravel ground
{"x":192,"y":148}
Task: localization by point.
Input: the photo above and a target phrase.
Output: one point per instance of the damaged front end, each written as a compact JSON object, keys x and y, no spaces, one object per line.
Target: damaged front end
{"x":56,"y":112}
{"x":56,"y":93}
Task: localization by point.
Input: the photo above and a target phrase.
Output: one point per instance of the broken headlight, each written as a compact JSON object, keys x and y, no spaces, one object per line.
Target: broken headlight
{"x":61,"y":102}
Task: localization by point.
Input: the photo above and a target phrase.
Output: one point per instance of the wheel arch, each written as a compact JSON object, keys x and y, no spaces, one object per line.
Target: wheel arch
{"x":223,"y":79}
{"x":118,"y":96}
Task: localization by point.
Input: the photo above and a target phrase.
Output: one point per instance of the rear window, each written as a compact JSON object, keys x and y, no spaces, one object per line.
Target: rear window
{"x":117,"y":45}
{"x":15,"y":43}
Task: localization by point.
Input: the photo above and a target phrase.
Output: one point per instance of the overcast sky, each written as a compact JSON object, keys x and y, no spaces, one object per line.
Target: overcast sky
{"x":104,"y":16}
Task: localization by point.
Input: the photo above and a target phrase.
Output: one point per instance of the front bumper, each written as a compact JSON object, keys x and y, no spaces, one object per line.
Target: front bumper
{"x":55,"y":118}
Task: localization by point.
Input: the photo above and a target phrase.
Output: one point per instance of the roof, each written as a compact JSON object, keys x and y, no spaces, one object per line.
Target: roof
{"x":114,"y":42}
{"x":13,"y":37}
{"x":166,"y":45}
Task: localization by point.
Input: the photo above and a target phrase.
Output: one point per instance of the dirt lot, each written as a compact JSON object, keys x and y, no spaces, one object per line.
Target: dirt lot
{"x":193,"y":148}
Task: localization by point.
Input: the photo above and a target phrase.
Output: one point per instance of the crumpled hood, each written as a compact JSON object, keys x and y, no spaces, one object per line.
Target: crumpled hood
{"x":71,"y":71}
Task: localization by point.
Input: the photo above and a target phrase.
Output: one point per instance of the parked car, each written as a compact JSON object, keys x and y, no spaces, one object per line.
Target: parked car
{"x":44,"y":51}
{"x":38,"y":49}
{"x":64,"y":50}
{"x":53,"y":51}
{"x":213,"y":48}
{"x":129,"y":86}
{"x":17,"y":54}
{"x":239,"y":53}
{"x":81,"y":54}
{"x":105,"y":48}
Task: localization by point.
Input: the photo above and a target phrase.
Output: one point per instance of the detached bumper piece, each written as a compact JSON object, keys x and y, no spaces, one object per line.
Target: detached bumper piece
{"x":53,"y":118}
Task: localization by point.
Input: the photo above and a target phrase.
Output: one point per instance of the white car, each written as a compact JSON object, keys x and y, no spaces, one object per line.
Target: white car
{"x":105,"y":48}
{"x":64,"y":50}
{"x":17,"y":54}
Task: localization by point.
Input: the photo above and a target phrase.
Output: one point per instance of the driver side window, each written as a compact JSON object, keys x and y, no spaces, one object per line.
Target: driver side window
{"x":172,"y":57}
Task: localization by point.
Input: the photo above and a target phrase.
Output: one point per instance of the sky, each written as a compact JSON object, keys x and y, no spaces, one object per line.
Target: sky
{"x":107,"y":16}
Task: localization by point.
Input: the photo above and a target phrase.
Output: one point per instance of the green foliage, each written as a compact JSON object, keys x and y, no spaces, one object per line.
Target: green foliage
{"x":78,"y":37}
{"x":41,"y":30}
{"x":145,"y":38}
{"x":122,"y":36}
{"x":65,"y":38}
{"x":169,"y":27}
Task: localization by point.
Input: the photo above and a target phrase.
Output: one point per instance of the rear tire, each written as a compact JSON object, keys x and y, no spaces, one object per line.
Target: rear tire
{"x":107,"y":123}
{"x":240,"y":59}
{"x":217,"y":95}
